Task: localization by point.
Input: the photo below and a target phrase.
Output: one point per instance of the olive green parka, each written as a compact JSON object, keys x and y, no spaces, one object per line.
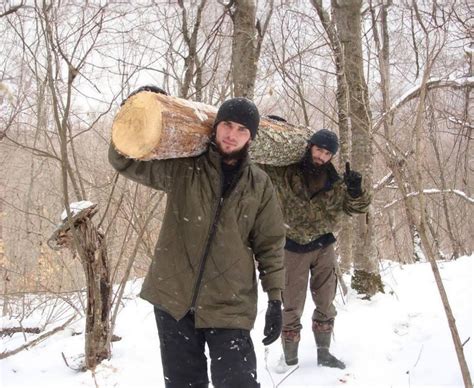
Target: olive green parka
{"x":209,"y":244}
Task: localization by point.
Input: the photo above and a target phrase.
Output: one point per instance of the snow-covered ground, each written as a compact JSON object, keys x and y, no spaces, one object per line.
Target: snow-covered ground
{"x":398,"y":339}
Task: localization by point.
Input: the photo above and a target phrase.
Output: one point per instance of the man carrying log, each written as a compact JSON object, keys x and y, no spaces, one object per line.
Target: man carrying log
{"x":313,"y":198}
{"x":222,"y":215}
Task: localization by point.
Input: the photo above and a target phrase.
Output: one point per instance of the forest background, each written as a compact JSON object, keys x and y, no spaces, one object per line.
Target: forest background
{"x":392,"y":78}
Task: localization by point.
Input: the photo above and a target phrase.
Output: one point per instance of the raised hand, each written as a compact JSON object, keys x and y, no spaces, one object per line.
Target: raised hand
{"x":353,"y":181}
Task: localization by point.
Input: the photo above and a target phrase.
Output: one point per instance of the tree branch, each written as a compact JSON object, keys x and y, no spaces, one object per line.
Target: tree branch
{"x":36,"y":341}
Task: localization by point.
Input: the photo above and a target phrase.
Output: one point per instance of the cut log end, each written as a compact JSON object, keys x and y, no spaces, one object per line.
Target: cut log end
{"x":137,"y":126}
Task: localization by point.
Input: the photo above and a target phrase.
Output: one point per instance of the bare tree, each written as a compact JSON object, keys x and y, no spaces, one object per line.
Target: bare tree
{"x":247,"y":39}
{"x":342,"y":98}
{"x":191,"y":61}
{"x":416,"y":207}
{"x":60,"y":83}
{"x":64,"y":52}
{"x":96,"y":266}
{"x":346,"y":39}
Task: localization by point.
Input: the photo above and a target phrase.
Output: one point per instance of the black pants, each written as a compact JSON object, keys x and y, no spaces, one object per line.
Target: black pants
{"x":233,"y":361}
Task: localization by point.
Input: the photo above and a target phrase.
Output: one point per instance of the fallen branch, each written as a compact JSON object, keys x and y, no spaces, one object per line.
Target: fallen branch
{"x":13,"y":330}
{"x":37,"y":340}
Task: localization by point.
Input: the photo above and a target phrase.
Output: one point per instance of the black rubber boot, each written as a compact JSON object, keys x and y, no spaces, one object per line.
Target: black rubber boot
{"x":327,"y":359}
{"x":322,"y":334}
{"x":290,"y":350}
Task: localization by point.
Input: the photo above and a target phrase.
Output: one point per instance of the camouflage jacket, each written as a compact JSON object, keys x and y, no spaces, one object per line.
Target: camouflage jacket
{"x":308,"y":218}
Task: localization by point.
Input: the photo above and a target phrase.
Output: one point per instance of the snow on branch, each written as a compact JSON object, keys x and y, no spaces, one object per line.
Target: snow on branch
{"x":382,"y":182}
{"x":76,"y":208}
{"x":433,"y":83}
{"x":435,"y":191}
{"x":461,"y":123}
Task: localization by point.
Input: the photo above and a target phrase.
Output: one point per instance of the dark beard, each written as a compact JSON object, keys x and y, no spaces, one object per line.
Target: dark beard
{"x":315,"y":175}
{"x":309,"y":168}
{"x":231,"y":156}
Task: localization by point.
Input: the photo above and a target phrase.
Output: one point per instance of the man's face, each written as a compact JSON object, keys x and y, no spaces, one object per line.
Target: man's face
{"x":320,"y":156}
{"x":231,"y":137}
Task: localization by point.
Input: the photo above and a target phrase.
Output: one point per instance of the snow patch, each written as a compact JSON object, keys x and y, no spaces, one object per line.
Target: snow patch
{"x":76,"y":207}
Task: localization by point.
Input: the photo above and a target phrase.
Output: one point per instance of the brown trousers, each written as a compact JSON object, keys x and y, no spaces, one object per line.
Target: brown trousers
{"x":320,"y":264}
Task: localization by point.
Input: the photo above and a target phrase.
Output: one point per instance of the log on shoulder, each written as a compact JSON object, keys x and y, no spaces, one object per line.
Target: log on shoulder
{"x":154,"y":126}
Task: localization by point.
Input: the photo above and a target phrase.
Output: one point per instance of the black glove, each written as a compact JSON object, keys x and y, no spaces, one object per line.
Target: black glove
{"x":146,"y":88}
{"x":353,"y":181}
{"x":273,"y":322}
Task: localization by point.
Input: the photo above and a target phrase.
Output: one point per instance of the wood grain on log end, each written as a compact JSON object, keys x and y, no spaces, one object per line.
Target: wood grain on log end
{"x":137,"y":126}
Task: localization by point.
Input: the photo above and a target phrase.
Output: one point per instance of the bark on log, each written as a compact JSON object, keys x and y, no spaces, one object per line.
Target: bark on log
{"x":154,"y":126}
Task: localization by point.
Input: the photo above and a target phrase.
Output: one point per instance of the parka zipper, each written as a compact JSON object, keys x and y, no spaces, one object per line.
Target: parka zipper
{"x":206,"y":252}
{"x":212,"y":231}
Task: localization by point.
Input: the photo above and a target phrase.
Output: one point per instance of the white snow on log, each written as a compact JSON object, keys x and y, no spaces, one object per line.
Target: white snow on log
{"x":199,"y":109}
{"x":173,"y":135}
{"x":76,"y":207}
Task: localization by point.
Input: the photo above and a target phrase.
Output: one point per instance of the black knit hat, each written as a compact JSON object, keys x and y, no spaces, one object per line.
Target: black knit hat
{"x":324,"y":138}
{"x":239,"y":110}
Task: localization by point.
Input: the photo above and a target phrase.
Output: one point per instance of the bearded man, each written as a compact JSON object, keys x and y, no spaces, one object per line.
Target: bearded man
{"x":313,"y":198}
{"x":222,"y":217}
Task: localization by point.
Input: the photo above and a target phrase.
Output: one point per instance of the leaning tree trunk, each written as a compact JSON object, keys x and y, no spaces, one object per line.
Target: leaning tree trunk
{"x":366,"y":279}
{"x":99,"y":290}
{"x":156,"y":126}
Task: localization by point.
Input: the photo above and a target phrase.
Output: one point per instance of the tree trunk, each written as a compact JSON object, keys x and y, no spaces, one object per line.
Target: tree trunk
{"x":345,"y":238}
{"x":347,"y":15}
{"x":244,"y":48}
{"x":6,"y":280}
{"x":99,"y":295}
{"x":191,"y":60}
{"x":99,"y":288}
{"x":456,"y":246}
{"x":422,"y":223}
{"x":426,"y":243}
{"x":155,"y":126}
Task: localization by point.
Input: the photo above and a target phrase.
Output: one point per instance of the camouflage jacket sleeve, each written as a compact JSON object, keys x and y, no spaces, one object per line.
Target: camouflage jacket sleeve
{"x":357,"y":205}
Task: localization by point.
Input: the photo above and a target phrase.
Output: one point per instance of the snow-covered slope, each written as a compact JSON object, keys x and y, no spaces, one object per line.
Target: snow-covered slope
{"x":398,"y":339}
